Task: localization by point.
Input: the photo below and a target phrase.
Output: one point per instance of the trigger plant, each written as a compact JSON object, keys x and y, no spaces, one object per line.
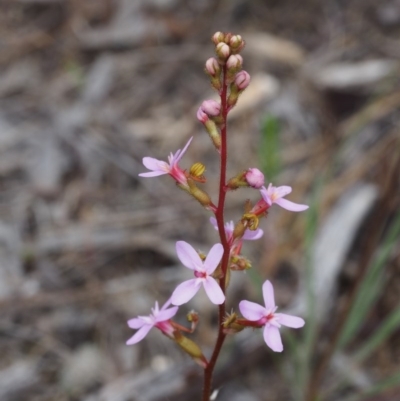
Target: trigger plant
{"x":211,"y":272}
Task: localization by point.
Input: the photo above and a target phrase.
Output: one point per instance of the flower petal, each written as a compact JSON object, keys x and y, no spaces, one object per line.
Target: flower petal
{"x":273,"y":338}
{"x":152,"y":174}
{"x":156,"y":165}
{"x":251,"y":310}
{"x":213,"y":291}
{"x":213,"y":258}
{"x":289,"y":320}
{"x":136,"y":323}
{"x":188,"y":256}
{"x":282,"y":191}
{"x":253,"y":235}
{"x":288,"y":205}
{"x":178,"y":156}
{"x":166,"y":314}
{"x":140,"y":334}
{"x":185,"y":291}
{"x":213,"y":221}
{"x":268,"y":294}
{"x":265,"y":193}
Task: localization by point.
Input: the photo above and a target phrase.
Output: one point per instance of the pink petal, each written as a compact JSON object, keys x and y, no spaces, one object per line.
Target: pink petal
{"x":213,"y":221}
{"x":178,"y":156}
{"x":156,"y":165}
{"x":251,"y":310}
{"x":253,"y":235}
{"x":213,"y":258}
{"x":273,"y":338}
{"x":266,"y":195}
{"x":166,"y":314}
{"x":136,"y":323}
{"x":152,"y":174}
{"x":288,"y":205}
{"x":185,"y":291}
{"x":213,"y":291}
{"x":188,"y":256}
{"x":282,"y":191}
{"x":139,"y":335}
{"x":289,"y":320}
{"x":268,"y":294}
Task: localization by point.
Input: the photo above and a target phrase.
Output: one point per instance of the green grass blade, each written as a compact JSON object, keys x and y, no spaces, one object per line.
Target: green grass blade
{"x":370,"y":287}
{"x":269,"y":152}
{"x":390,"y":383}
{"x":385,"y":330}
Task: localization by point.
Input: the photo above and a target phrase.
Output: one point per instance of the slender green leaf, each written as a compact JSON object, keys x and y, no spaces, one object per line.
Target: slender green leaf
{"x":269,"y":152}
{"x":390,"y":383}
{"x":370,"y":287}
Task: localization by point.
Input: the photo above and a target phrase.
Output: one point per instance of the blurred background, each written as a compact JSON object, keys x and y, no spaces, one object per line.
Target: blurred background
{"x":87,"y":88}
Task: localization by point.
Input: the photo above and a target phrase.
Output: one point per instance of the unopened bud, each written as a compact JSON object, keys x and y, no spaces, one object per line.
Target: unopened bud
{"x":223,"y":51}
{"x":235,"y":41}
{"x":218,"y":37}
{"x":254,"y":177}
{"x":242,"y":80}
{"x":227,"y":37}
{"x":234,"y":62}
{"x":211,"y":108}
{"x":212,"y":67}
{"x":201,"y":116}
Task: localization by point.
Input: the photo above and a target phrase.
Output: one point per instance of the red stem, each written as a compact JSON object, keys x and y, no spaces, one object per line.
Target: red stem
{"x":219,"y":215}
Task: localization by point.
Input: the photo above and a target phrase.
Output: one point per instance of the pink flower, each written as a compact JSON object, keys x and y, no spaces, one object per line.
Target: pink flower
{"x":160,"y":167}
{"x":249,"y":235}
{"x":266,"y":316}
{"x":202,"y":272}
{"x":276,"y":195}
{"x":159,"y":318}
{"x":254,"y":177}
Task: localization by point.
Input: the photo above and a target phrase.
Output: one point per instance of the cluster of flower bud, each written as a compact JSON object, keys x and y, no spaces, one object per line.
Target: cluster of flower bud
{"x":227,"y":49}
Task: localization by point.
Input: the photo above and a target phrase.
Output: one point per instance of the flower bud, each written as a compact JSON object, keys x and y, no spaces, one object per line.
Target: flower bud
{"x":223,"y":51}
{"x":201,"y":116}
{"x":218,"y":37}
{"x":227,"y":38}
{"x":242,"y":80}
{"x":211,"y":108}
{"x":254,"y":177}
{"x":234,"y":62}
{"x":235,"y":41}
{"x":212,"y":67}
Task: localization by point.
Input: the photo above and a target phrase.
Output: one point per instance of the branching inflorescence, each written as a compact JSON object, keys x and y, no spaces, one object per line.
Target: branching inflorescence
{"x":212,"y":271}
